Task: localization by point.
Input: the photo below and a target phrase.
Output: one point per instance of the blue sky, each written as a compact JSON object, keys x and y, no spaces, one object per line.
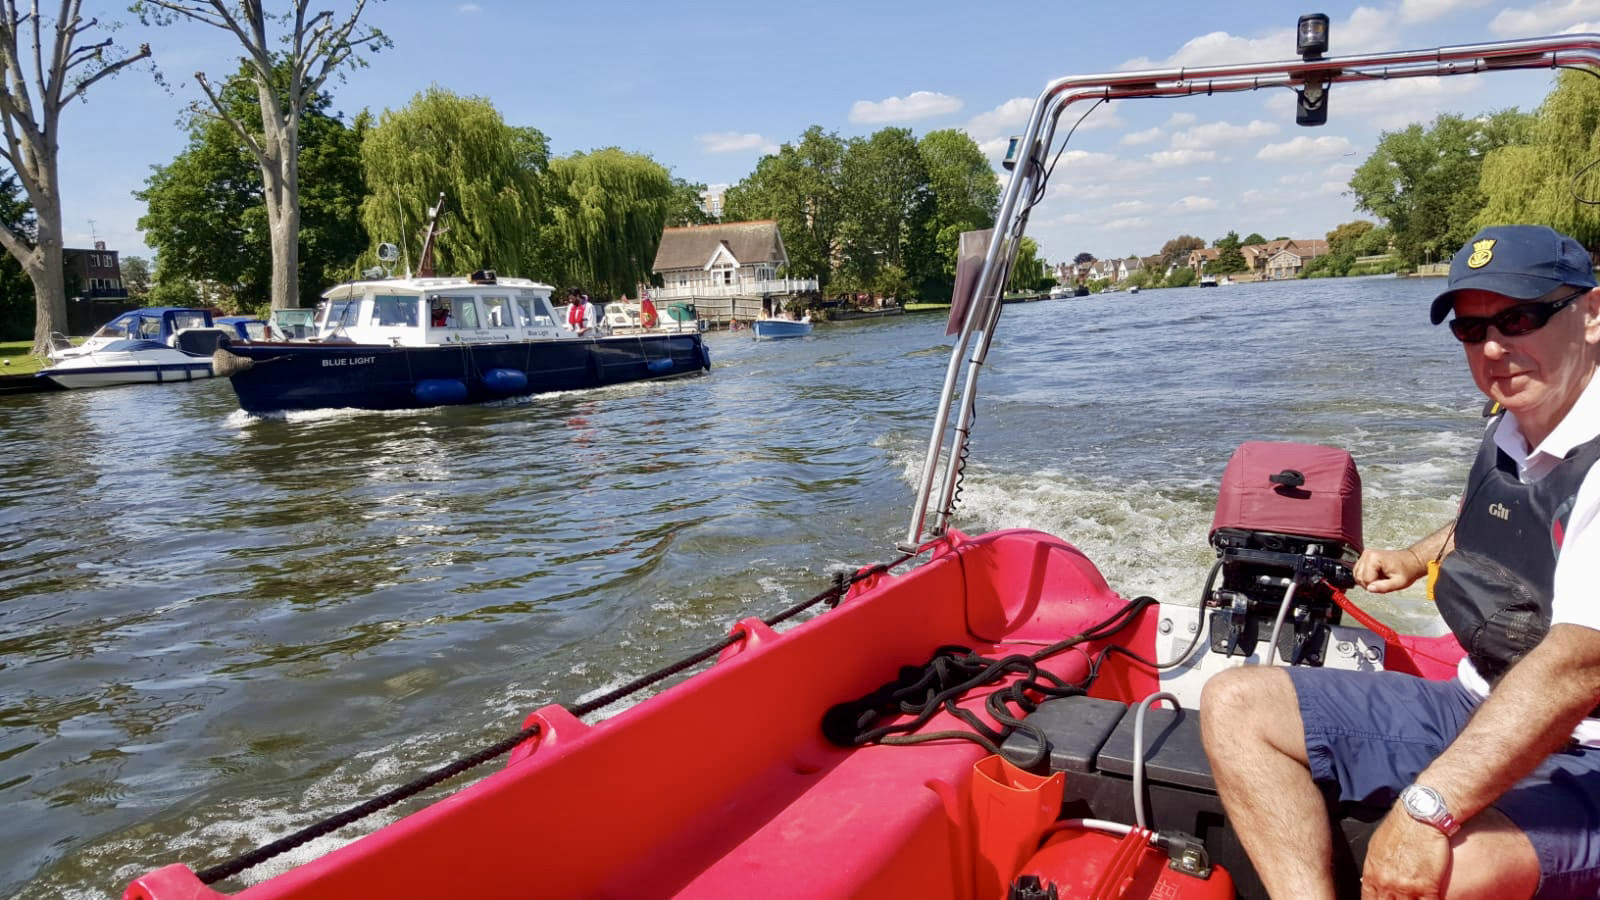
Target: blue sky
{"x":706,"y":87}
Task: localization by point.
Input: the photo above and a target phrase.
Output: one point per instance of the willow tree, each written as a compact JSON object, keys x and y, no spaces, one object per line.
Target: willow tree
{"x":316,"y":45}
{"x":606,"y":212}
{"x":45,"y":68}
{"x":1549,"y":180}
{"x":489,"y":172}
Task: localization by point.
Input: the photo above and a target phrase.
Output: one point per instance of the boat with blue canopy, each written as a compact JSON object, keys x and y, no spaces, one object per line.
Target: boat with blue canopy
{"x":157,"y":345}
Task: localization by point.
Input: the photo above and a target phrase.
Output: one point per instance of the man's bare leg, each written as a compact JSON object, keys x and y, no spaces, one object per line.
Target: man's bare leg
{"x":1490,"y":858}
{"x":1250,"y":721}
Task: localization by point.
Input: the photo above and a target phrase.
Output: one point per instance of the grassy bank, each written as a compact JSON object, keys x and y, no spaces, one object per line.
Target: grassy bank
{"x":926,"y":307}
{"x":14,"y":358}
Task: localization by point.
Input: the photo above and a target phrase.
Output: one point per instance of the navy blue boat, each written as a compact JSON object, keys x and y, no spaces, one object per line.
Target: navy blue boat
{"x":416,"y":342}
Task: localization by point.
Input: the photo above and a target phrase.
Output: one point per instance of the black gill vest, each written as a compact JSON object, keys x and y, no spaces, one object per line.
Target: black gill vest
{"x":1494,"y":590}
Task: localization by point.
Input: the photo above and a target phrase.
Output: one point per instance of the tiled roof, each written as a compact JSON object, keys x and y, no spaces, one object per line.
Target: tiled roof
{"x":693,"y":246}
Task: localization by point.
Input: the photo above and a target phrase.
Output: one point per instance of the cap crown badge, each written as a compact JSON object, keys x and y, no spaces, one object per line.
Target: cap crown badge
{"x":1482,"y":252}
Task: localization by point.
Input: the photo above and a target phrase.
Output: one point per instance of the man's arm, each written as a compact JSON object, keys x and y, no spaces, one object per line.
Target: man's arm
{"x":1529,"y":715}
{"x":1381,"y":571}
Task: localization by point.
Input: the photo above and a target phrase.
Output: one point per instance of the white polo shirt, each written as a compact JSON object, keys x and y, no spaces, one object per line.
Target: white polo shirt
{"x":1577,"y":578}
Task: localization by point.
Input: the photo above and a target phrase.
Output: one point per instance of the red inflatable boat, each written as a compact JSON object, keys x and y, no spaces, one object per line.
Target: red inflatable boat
{"x":996,"y":722}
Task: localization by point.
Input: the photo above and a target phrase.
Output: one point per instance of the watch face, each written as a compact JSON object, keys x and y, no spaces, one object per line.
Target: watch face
{"x":1422,"y":802}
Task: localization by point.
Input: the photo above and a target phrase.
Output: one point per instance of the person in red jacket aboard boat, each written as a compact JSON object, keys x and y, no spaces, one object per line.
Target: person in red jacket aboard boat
{"x":1494,"y":775}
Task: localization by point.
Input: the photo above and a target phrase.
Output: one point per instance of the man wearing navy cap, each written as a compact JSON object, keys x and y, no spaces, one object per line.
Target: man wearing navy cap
{"x":1494,"y":776}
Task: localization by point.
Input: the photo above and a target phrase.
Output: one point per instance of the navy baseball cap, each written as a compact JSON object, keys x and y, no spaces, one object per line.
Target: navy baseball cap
{"x":1523,"y":262}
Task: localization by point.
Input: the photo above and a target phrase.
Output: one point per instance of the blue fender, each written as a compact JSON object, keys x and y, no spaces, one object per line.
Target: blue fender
{"x":440,"y":391}
{"x":505,"y":381}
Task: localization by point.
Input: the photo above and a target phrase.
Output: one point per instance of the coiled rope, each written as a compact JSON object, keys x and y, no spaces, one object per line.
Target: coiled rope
{"x":842,"y":582}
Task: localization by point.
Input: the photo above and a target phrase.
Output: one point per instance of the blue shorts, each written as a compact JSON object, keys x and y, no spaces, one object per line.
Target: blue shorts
{"x":1372,"y":733}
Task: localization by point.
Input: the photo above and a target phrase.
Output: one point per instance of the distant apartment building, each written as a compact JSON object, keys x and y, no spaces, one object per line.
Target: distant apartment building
{"x":711,"y":202}
{"x":99,"y":272}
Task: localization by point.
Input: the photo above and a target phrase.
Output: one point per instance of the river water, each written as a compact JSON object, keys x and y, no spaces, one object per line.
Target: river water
{"x":217,"y":629}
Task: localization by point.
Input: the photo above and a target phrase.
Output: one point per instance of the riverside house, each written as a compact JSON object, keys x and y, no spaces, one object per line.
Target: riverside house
{"x":725,"y":269}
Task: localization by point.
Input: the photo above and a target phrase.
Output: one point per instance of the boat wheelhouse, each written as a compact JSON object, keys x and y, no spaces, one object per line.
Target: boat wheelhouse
{"x":398,"y":343}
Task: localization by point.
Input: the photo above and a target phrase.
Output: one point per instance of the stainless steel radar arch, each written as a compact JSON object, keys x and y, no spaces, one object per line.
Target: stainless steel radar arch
{"x":983,"y":313}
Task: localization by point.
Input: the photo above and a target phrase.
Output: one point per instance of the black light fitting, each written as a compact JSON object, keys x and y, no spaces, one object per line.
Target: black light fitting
{"x":1311,"y":36}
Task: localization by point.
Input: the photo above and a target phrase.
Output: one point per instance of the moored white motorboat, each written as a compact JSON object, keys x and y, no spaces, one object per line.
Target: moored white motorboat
{"x":157,"y":345}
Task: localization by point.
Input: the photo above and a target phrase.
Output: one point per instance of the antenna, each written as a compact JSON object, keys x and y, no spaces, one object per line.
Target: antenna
{"x":403,"y":254}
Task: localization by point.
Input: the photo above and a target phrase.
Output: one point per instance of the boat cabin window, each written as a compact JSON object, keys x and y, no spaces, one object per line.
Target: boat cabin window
{"x":342,"y":313}
{"x":497,"y":312}
{"x":394,"y":311}
{"x":149,"y":329}
{"x":119,"y":327}
{"x":535,"y":312}
{"x":463,"y":312}
{"x":188,"y":319}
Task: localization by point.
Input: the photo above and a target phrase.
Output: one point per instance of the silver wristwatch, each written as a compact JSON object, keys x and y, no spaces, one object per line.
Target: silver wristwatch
{"x":1425,"y":805}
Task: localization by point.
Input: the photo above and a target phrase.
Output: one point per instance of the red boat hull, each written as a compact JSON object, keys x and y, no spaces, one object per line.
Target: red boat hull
{"x":724,"y":786}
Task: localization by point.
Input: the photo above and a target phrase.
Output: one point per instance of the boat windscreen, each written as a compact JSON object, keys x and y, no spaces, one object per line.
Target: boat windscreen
{"x":188,"y":319}
{"x":118,"y":327}
{"x":395,"y":311}
{"x":342,"y":312}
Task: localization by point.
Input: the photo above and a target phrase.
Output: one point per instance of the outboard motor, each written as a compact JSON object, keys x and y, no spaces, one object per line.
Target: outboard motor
{"x":1287,"y":515}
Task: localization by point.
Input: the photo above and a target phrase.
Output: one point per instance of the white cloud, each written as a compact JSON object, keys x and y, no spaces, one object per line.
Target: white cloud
{"x":1135,"y":138}
{"x":735,"y":142}
{"x":1130,"y":206}
{"x":1220,"y":47}
{"x":995,"y":147}
{"x":1413,"y":11}
{"x":1332,"y":188}
{"x":1203,"y":179}
{"x":1213,"y":134}
{"x":1581,"y":28}
{"x":1302,"y":149}
{"x":467,"y":8}
{"x":1123,"y":224}
{"x":917,"y":105}
{"x":1366,"y":31}
{"x":1195,"y":203}
{"x":1004,"y":119}
{"x":1542,"y":18}
{"x":1182,"y":119}
{"x":1168,"y":158}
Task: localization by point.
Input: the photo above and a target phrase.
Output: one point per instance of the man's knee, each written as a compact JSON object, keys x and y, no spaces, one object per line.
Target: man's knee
{"x":1492,"y":858}
{"x":1251,"y":702}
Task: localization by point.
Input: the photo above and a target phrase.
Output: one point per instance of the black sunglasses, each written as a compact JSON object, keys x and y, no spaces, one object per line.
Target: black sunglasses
{"x":1511,"y":322}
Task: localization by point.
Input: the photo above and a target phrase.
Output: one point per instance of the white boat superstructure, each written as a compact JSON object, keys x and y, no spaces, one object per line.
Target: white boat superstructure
{"x":431,"y":312}
{"x":159,"y":345}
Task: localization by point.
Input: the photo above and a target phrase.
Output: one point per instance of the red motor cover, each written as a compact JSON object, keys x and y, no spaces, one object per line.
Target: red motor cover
{"x":1326,"y":506}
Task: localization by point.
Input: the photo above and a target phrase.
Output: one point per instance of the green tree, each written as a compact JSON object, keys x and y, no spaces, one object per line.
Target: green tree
{"x":1253,"y":237}
{"x":887,"y":206}
{"x":1177,"y":249}
{"x":1424,"y":182}
{"x":801,"y":187}
{"x":1083,"y":258}
{"x":489,"y":172}
{"x":966,"y":196}
{"x":1229,"y":259}
{"x":1027,"y":272}
{"x":136,"y":277}
{"x":46,"y":70}
{"x":206,"y":217}
{"x":606,"y":212}
{"x":17,"y":302}
{"x":1539,"y":182}
{"x":287,"y":72}
{"x":686,"y":207}
{"x":1182,"y":276}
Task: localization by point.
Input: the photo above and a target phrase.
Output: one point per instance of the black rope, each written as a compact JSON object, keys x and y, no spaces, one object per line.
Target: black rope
{"x":953,"y":671}
{"x":834,"y":593}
